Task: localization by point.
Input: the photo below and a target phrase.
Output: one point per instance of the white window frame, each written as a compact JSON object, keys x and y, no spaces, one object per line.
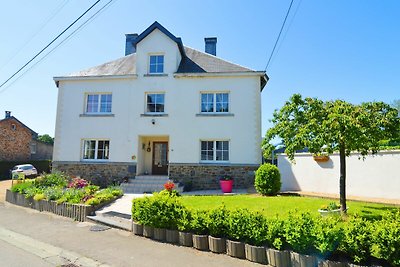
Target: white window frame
{"x":146,"y":103}
{"x":157,"y":64}
{"x":96,"y":149}
{"x":99,"y":102}
{"x":214,"y":160}
{"x":214,"y":107}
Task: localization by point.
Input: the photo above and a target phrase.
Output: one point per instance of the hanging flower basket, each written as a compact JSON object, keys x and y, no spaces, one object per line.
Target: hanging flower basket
{"x":321,"y":158}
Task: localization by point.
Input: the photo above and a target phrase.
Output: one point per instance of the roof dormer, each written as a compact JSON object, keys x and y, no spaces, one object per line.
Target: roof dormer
{"x":158,"y":52}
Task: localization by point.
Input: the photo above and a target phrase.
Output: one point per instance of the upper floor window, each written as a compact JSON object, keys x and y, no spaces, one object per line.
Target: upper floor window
{"x":214,"y":102}
{"x":98,"y":103}
{"x":156,"y":65}
{"x":96,"y":149}
{"x":155,"y":103}
{"x":214,"y":150}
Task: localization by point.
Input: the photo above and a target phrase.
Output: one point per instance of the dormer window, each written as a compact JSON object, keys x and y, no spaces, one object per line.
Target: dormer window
{"x":156,"y":65}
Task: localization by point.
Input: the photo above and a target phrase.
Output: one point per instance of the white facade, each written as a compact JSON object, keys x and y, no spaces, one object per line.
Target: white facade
{"x":374,"y":177}
{"x":130,"y":129}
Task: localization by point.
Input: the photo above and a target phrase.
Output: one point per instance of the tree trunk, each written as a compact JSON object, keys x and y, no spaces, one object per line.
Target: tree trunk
{"x":343,"y":178}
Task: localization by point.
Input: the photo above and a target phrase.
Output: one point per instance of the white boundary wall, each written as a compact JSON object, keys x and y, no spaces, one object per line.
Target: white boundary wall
{"x":376,"y":176}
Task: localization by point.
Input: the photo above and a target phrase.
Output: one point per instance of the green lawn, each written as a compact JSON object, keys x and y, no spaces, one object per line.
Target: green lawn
{"x":281,"y":205}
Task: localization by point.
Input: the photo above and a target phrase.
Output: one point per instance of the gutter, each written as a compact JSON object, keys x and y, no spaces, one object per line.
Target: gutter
{"x":57,"y":79}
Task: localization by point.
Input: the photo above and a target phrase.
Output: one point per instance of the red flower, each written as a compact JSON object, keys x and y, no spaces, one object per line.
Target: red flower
{"x":169,"y":186}
{"x":78,"y":183}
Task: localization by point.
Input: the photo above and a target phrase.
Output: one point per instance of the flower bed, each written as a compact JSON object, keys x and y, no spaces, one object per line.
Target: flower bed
{"x":306,"y":238}
{"x":51,"y":193}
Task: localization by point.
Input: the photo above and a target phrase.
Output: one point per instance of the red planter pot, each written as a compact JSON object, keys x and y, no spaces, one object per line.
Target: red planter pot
{"x":226,"y":186}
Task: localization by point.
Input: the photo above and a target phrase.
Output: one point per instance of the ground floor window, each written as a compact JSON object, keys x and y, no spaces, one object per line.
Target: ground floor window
{"x":96,"y":149}
{"x":214,"y":150}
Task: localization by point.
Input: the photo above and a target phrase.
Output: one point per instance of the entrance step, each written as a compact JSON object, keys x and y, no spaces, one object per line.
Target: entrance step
{"x":113,"y":219}
{"x":146,"y":184}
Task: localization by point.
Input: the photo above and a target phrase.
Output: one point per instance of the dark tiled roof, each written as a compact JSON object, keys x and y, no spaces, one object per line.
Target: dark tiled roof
{"x":197,"y":61}
{"x":122,"y":66}
{"x":194,"y":62}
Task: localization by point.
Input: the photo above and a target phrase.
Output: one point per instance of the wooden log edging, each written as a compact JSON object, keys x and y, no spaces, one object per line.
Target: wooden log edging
{"x":78,"y":212}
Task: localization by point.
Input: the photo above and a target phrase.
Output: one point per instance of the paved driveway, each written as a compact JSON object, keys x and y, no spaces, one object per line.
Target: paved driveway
{"x":4,"y":185}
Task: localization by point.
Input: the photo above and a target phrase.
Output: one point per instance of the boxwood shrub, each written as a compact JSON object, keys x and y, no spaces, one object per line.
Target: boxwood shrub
{"x":268,"y":180}
{"x":217,"y":222}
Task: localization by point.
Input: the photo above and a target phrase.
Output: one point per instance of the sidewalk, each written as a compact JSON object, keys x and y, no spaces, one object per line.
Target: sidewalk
{"x":112,"y":247}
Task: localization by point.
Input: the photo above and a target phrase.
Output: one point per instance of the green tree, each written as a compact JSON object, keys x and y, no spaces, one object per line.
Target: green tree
{"x":332,"y":126}
{"x":46,"y":139}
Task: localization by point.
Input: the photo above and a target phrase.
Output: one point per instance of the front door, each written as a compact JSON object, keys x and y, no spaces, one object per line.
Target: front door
{"x":160,"y":158}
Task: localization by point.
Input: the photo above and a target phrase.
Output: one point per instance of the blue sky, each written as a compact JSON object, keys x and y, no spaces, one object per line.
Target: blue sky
{"x":331,"y":49}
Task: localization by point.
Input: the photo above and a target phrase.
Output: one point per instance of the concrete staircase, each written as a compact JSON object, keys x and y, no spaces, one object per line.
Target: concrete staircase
{"x":146,"y":184}
{"x":112,"y":219}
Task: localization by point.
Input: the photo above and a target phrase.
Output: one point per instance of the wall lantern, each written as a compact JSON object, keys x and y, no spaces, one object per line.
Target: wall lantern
{"x":148,"y":147}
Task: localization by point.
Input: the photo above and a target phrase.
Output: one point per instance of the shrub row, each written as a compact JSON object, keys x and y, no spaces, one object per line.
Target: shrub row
{"x":355,"y":237}
{"x":54,"y":187}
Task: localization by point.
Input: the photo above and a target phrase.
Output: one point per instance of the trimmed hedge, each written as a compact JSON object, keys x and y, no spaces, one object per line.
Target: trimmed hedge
{"x":40,"y":165}
{"x":268,"y":180}
{"x":356,"y":238}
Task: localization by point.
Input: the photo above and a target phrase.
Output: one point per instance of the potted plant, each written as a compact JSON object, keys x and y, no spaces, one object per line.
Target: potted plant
{"x":331,"y":209}
{"x":199,"y":228}
{"x":159,"y":234}
{"x":226,"y":183}
{"x":217,"y":226}
{"x":184,"y":228}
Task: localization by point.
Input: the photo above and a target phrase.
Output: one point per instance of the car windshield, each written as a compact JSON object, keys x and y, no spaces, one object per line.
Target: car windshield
{"x":26,"y":167}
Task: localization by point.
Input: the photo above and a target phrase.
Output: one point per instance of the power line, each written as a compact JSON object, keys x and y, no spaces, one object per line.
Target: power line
{"x":40,"y":28}
{"x":277,"y":39}
{"x":90,"y":19}
{"x":41,"y":51}
{"x":287,"y":29}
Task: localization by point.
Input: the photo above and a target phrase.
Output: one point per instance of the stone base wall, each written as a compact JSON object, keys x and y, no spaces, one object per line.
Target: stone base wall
{"x":205,"y":176}
{"x":102,"y":174}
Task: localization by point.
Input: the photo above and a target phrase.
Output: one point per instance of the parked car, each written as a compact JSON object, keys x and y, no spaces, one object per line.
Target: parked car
{"x":27,"y":169}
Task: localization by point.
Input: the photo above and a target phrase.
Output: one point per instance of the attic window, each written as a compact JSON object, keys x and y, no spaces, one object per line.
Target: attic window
{"x":13,"y":127}
{"x":156,"y":64}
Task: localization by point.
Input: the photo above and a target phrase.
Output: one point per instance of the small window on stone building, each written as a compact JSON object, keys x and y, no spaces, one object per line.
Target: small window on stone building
{"x":13,"y":127}
{"x":33,"y":148}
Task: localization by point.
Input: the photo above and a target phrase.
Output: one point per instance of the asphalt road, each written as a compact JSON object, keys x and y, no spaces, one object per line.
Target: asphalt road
{"x":16,"y":257}
{"x":43,"y":238}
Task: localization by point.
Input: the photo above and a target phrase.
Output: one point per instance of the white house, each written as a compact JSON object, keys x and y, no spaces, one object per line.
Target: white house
{"x":163,"y":109}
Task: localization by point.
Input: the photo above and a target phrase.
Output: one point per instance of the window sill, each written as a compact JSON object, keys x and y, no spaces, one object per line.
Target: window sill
{"x":95,"y":160}
{"x":215,"y":114}
{"x":156,"y":75}
{"x":214,"y":162}
{"x":97,"y":115}
{"x":154,"y":115}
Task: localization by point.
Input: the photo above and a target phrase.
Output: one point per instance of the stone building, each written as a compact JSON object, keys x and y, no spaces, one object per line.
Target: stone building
{"x":19,"y":143}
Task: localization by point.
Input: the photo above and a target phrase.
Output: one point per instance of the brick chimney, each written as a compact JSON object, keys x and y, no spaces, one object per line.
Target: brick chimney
{"x":8,"y":114}
{"x":129,"y":47}
{"x":211,"y":45}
